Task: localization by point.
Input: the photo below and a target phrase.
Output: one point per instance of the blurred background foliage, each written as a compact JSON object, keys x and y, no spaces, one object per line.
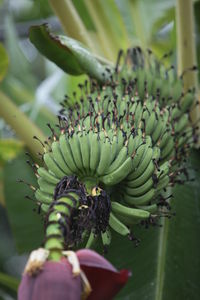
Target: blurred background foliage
{"x":36,"y":86}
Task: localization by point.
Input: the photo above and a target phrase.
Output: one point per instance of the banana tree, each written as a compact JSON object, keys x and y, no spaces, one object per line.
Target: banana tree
{"x":105,"y":177}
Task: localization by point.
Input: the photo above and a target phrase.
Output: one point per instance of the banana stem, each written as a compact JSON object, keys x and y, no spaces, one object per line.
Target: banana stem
{"x":20,"y":123}
{"x":186,"y":50}
{"x":71,"y":22}
{"x":57,"y":225}
{"x":138,"y":24}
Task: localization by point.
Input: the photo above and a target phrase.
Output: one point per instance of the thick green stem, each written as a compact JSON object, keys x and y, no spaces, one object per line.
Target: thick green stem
{"x":57,"y":223}
{"x":20,"y":123}
{"x":186,"y":50}
{"x":104,"y":31}
{"x":71,"y":22}
{"x":137,"y":17}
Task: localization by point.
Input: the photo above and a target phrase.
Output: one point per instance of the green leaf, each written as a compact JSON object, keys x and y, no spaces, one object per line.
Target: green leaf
{"x":19,"y":65}
{"x":166,"y":18}
{"x":4,"y":61}
{"x":26,"y":225}
{"x":66,"y":53}
{"x":165,"y":265}
{"x":9,"y":149}
{"x":21,"y":95}
{"x":9,"y":282}
{"x":84,"y":14}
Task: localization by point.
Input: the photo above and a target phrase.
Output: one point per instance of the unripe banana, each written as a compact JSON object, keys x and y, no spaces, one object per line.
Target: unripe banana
{"x":138,"y":155}
{"x":168,"y":150}
{"x":43,"y":197}
{"x":163,"y":170}
{"x":94,"y":152}
{"x":91,"y":241}
{"x":147,"y":157}
{"x":128,"y":212}
{"x":105,"y":157}
{"x":119,"y":174}
{"x":181,"y":124}
{"x":117,"y":225}
{"x":118,"y":161}
{"x":137,"y":191}
{"x":186,"y":101}
{"x":59,"y":158}
{"x":156,"y":134}
{"x":165,"y":138}
{"x":138,"y":113}
{"x":85,"y":151}
{"x":163,"y":183}
{"x":126,"y":138}
{"x":139,"y":200}
{"x":45,"y":186}
{"x":52,"y":165}
{"x":150,"y":124}
{"x":47,"y":176}
{"x":134,"y":183}
{"x":150,"y":208}
{"x":106,"y":237}
{"x":67,"y":154}
{"x":134,"y":142}
{"x":76,"y":151}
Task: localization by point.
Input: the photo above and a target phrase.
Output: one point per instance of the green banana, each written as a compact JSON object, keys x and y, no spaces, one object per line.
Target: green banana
{"x":43,"y":197}
{"x":128,"y":212}
{"x":134,"y":143}
{"x":119,"y":174}
{"x":120,"y":141}
{"x":52,"y":165}
{"x":105,"y":157}
{"x":47,"y":175}
{"x":94,"y":152}
{"x":138,"y":114}
{"x":163,"y":183}
{"x":126,"y":138}
{"x":164,"y":139}
{"x":134,"y":183}
{"x":139,"y":200}
{"x":117,"y":162}
{"x":156,"y":134}
{"x":181,"y":124}
{"x":106,"y":237}
{"x":150,"y":124}
{"x":91,"y":241}
{"x":168,"y":150}
{"x":150,"y":208}
{"x":76,"y":152}
{"x":147,"y":157}
{"x":45,"y":186}
{"x":59,"y":158}
{"x":175,"y":112}
{"x":85,"y":151}
{"x":164,"y":170}
{"x":67,"y":154}
{"x":117,"y":225}
{"x":137,"y":191}
{"x":156,"y":153}
{"x":45,"y":208}
{"x":138,"y":155}
{"x":114,"y":147}
{"x":186,"y":101}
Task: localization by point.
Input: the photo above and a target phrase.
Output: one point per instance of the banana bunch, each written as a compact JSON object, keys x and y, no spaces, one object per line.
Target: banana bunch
{"x":128,"y":137}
